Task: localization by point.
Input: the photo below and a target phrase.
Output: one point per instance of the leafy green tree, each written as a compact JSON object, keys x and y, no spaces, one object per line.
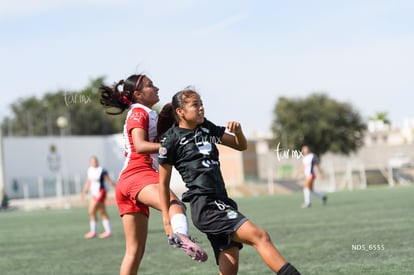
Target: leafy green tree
{"x":82,"y":109}
{"x":318,"y":121}
{"x":87,"y":115}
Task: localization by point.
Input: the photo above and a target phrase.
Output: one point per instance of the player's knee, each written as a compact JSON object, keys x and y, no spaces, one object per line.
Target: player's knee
{"x":135,"y":252}
{"x":179,"y":203}
{"x":261,"y":236}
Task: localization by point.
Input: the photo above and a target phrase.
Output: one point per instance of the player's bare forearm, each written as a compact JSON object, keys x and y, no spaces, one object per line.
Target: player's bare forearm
{"x":86,"y":187}
{"x":237,"y":140}
{"x":141,"y":144}
{"x":111,"y":182}
{"x":319,"y":171}
{"x":165,"y":176}
{"x":241,"y":141}
{"x":146,"y":147}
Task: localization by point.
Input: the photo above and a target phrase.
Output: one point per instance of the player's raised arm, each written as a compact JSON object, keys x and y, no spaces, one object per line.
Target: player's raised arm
{"x":235,"y":138}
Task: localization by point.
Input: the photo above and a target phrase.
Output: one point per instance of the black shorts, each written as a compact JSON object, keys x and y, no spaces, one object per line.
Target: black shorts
{"x":219,"y":219}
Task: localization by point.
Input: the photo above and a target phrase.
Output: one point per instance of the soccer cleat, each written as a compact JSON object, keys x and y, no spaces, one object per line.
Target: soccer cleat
{"x":105,"y":235}
{"x":188,"y":245}
{"x":324,"y":200}
{"x":306,"y":205}
{"x":90,"y":235}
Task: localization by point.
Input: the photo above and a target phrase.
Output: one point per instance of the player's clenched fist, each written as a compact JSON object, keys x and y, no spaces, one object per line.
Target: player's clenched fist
{"x":234,"y":127}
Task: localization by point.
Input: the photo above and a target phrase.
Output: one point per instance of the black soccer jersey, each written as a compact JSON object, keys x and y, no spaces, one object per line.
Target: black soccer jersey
{"x":194,"y":154}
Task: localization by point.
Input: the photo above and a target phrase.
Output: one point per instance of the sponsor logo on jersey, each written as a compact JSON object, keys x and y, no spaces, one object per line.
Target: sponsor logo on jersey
{"x":208,"y":163}
{"x":184,"y":141}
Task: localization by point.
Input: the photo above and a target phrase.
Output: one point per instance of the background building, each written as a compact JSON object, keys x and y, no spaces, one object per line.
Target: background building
{"x":55,"y":166}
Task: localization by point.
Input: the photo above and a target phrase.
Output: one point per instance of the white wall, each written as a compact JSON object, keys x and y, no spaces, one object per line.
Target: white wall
{"x":27,"y":157}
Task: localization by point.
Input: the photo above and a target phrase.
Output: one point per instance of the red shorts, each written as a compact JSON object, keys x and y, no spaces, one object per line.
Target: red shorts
{"x":129,"y":185}
{"x":101,"y":196}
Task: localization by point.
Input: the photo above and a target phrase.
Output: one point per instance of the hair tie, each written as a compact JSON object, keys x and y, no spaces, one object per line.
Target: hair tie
{"x":126,"y":100}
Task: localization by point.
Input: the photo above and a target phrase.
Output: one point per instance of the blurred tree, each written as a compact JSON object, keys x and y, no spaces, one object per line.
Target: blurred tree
{"x":82,"y":109}
{"x":318,"y":121}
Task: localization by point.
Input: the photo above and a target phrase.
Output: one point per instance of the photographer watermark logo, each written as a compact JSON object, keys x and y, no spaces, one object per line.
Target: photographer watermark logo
{"x":287,"y":153}
{"x":75,"y":98}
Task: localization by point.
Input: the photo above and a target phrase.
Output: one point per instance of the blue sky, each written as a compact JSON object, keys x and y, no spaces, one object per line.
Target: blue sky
{"x":240,"y":55}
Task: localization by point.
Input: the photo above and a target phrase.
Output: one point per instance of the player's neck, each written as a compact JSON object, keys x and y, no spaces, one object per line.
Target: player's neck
{"x":185,"y":124}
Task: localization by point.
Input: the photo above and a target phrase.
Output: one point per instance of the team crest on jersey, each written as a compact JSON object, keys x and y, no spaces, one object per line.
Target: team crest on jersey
{"x":162,"y":151}
{"x":231,"y":214}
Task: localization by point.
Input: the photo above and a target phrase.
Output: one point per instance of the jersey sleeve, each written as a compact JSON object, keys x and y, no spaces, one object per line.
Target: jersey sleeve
{"x":216,"y":131}
{"x":138,"y":119}
{"x":166,"y":151}
{"x":315,"y":160}
{"x":104,"y":172}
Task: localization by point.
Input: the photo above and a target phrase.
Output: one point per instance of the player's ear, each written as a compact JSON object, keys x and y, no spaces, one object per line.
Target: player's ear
{"x":138,"y":94}
{"x":179,"y":112}
{"x":135,"y":96}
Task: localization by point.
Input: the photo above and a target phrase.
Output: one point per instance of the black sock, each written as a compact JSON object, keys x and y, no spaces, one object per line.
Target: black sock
{"x":288,"y":269}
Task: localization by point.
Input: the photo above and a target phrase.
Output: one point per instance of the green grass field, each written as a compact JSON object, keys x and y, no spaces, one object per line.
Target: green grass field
{"x":320,"y":240}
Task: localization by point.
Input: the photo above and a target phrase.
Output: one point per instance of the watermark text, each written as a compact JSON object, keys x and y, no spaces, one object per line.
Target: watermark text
{"x":287,"y":153}
{"x":75,"y":98}
{"x":367,"y":247}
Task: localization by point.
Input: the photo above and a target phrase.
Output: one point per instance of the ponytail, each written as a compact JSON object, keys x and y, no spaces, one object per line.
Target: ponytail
{"x":113,"y":97}
{"x":165,"y":120}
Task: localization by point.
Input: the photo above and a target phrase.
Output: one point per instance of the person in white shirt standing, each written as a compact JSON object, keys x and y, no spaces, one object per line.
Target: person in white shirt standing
{"x":95,"y":184}
{"x":310,"y":169}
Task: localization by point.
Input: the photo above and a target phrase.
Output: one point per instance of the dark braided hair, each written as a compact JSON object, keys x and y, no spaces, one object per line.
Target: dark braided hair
{"x":113,"y":97}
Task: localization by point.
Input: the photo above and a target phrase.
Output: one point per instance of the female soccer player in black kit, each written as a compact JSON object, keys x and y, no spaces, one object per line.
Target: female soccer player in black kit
{"x":190,"y":147}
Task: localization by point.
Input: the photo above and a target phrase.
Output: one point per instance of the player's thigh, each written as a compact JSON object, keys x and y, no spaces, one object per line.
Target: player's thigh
{"x":150,"y":195}
{"x":136,"y":229}
{"x":249,"y":233}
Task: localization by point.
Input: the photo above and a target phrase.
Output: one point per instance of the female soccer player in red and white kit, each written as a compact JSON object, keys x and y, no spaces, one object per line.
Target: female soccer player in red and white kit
{"x":95,"y":184}
{"x":137,"y":187}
